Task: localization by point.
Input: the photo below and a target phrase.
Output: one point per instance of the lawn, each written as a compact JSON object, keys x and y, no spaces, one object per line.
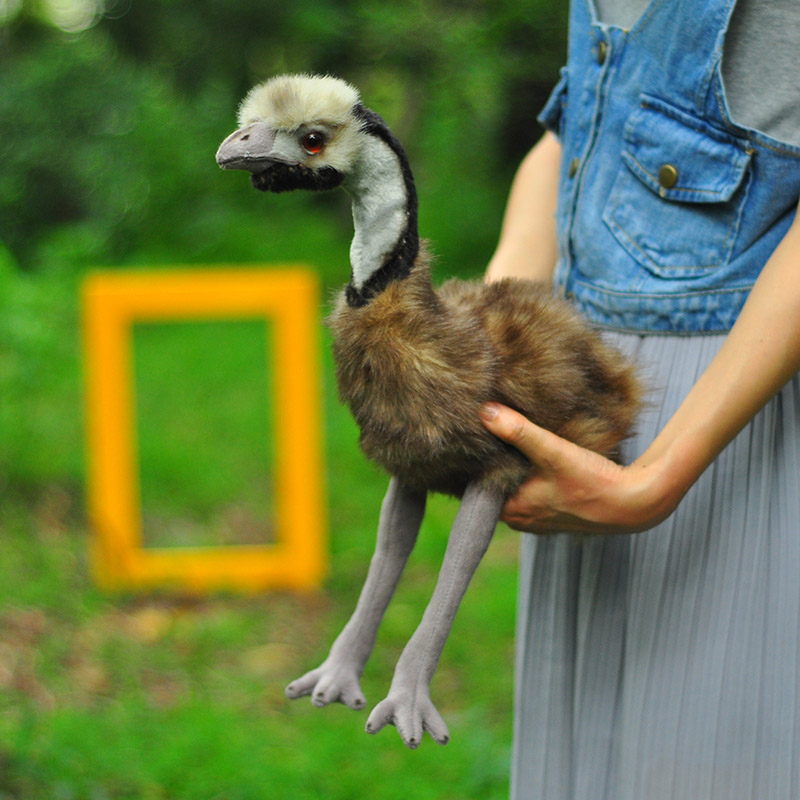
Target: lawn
{"x":108,"y":696}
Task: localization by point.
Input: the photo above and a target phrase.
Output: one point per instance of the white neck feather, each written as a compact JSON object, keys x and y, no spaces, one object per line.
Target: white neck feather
{"x":379,"y":208}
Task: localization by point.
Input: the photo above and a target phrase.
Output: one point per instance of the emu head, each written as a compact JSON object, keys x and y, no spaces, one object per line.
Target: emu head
{"x":296,"y":132}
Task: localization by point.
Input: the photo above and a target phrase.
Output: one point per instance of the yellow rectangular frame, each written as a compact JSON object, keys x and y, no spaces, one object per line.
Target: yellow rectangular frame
{"x":289,"y":299}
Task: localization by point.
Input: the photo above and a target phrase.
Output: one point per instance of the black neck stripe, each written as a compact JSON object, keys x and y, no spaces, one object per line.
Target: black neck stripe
{"x":399,"y":263}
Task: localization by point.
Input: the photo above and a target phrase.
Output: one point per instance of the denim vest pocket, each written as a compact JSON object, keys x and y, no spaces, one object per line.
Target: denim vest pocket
{"x":676,"y":202}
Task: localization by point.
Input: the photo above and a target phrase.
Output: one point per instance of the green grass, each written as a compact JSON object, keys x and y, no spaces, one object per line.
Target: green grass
{"x":115,"y":697}
{"x":203,"y":388}
{"x":152,"y":697}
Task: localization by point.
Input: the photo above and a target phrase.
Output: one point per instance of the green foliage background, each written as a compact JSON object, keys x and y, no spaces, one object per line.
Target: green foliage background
{"x":110,"y":115}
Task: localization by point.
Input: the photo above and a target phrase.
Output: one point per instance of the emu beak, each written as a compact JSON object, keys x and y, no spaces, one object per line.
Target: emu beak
{"x":249,"y":148}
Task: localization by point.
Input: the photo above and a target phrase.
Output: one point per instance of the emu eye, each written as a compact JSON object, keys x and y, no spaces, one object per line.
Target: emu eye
{"x":313,"y":142}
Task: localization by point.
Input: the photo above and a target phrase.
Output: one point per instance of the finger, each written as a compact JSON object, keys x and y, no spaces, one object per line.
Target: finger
{"x":535,"y":526}
{"x":530,"y":521}
{"x":540,"y":446}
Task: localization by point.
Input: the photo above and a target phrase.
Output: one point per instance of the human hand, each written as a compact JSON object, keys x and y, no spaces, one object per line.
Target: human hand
{"x":573,"y":489}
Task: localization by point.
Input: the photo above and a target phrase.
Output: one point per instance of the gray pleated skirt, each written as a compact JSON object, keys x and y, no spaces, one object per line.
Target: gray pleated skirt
{"x":665,"y":665}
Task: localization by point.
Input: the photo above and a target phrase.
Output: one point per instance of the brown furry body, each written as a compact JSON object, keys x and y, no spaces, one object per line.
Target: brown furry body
{"x":415,"y":365}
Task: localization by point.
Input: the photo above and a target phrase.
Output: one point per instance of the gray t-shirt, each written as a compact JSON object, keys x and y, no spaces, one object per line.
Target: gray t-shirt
{"x":759,"y":65}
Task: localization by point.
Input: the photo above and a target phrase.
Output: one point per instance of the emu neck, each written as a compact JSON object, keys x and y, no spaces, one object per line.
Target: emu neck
{"x":385,"y":241}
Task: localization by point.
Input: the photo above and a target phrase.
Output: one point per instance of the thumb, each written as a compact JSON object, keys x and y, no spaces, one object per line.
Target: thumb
{"x":540,"y":446}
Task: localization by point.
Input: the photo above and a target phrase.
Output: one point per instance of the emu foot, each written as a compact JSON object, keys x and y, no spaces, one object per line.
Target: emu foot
{"x":333,"y":681}
{"x":411,"y":711}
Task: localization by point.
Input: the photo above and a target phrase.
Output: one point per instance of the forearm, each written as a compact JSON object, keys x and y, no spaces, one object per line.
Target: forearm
{"x":527,"y":245}
{"x":759,"y":355}
{"x":576,"y":489}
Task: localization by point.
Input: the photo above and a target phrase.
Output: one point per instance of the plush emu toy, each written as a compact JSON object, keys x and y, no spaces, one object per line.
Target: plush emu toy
{"x":414,"y":365}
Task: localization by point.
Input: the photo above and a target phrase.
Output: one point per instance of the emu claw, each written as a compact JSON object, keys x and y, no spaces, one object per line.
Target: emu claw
{"x":329,"y":684}
{"x":411,"y":713}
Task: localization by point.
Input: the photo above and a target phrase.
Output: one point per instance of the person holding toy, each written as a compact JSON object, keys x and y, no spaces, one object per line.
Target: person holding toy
{"x":662,"y":201}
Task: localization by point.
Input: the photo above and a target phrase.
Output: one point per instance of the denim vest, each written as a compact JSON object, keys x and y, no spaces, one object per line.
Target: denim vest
{"x":667,"y":209}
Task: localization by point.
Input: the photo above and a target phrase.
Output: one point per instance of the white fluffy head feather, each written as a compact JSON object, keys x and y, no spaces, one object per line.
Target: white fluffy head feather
{"x":290,"y":103}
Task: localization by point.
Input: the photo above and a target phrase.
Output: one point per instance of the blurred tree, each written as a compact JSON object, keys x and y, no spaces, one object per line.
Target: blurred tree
{"x":110,"y":113}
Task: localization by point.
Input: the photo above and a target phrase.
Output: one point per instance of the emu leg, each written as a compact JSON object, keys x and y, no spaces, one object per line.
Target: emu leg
{"x":408,"y":705}
{"x":337,"y":679}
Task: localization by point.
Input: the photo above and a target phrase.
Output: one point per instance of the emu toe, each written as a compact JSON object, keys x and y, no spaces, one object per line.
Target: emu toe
{"x":329,"y":684}
{"x":411,"y":712}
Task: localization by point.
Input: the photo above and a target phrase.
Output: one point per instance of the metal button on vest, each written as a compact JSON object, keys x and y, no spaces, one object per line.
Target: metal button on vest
{"x":573,"y":167}
{"x":667,"y":176}
{"x":602,"y":50}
